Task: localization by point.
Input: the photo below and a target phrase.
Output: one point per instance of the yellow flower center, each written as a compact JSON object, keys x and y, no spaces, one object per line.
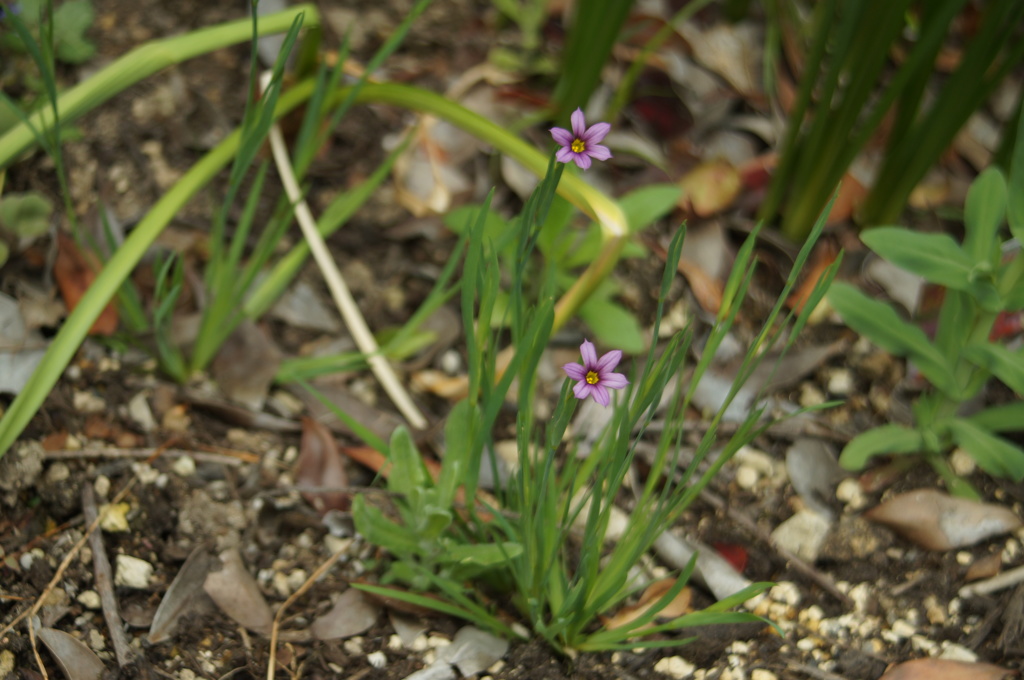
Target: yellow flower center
{"x":578,"y":146}
{"x":592,"y":377}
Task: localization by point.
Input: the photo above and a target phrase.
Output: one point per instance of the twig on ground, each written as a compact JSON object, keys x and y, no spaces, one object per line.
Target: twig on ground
{"x":234,"y":459}
{"x":103,"y":579}
{"x":996,"y":583}
{"x":813,"y":672}
{"x":797,"y":563}
{"x":275,"y":628}
{"x":339,"y":289}
{"x":57,"y":576}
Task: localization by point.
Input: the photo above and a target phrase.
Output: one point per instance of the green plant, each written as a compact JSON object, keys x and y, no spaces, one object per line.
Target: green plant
{"x":70,"y":20}
{"x":22,"y":217}
{"x":839,"y":105}
{"x":543,"y":545}
{"x":980,"y":285}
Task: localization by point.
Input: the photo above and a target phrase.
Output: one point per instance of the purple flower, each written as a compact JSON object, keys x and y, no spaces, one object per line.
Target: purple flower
{"x":594,"y":378}
{"x":581,"y":144}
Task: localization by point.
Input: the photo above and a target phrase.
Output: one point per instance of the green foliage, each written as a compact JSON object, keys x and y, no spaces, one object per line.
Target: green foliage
{"x":848,"y":45}
{"x":566,"y":250}
{"x":71,"y":20}
{"x":980,"y":284}
{"x":22,"y":217}
{"x":544,"y":544}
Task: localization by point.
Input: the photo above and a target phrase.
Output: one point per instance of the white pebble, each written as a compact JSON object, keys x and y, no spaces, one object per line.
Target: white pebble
{"x":962,"y":463}
{"x":840,"y":382}
{"x":184,"y":466}
{"x":676,"y":666}
{"x":923,"y":644}
{"x":377,"y":659}
{"x":746,"y":477}
{"x":89,"y":599}
{"x":762,"y":674}
{"x":902,"y":629}
{"x":786,"y":592}
{"x":849,"y":493}
{"x":132,"y":572}
{"x":955,"y":652}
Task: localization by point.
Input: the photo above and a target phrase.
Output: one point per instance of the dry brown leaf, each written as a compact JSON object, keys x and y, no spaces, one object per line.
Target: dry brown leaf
{"x":937,"y":521}
{"x":945,"y":669}
{"x":706,"y":289}
{"x":710,"y":187}
{"x":246,"y":364}
{"x":453,"y":388}
{"x":236,"y":593}
{"x":320,"y":465}
{"x":353,"y":613}
{"x":825,"y":254}
{"x":984,"y":567}
{"x":851,"y":194}
{"x":679,"y":605}
{"x":74,"y":272}
{"x":74,"y":657}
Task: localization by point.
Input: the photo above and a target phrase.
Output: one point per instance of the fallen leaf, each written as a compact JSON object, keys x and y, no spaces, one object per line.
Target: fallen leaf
{"x":352,"y":614}
{"x":814,"y":472}
{"x":710,"y":187}
{"x":453,"y":388}
{"x":184,"y":596}
{"x":946,"y":669}
{"x":850,"y":195}
{"x":236,"y":593}
{"x":74,"y":657}
{"x":825,"y":253}
{"x":246,"y":364}
{"x":984,"y":567}
{"x":937,"y":521}
{"x":473,"y":651}
{"x":678,"y":606}
{"x":320,"y":465}
{"x":74,"y":272}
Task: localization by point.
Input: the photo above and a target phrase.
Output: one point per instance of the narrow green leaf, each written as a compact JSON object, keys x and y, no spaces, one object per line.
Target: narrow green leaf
{"x":1002,"y":363}
{"x":486,"y":555}
{"x":993,"y":454}
{"x":407,"y":471}
{"x":1003,"y":418}
{"x":983,"y":215}
{"x":935,"y":257}
{"x":884,"y":440}
{"x":1015,"y":201}
{"x":647,"y":204}
{"x":880,"y":324}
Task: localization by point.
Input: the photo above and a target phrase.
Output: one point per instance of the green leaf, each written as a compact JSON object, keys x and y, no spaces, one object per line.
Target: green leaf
{"x":993,"y":454}
{"x":5,"y":252}
{"x":880,"y":324}
{"x":613,"y":325}
{"x":461,"y":219}
{"x":70,"y":22}
{"x":407,"y":472}
{"x":935,"y":257}
{"x":1015,"y":203}
{"x":379,"y":530}
{"x":884,"y":440}
{"x":26,"y":215}
{"x":1002,"y":363}
{"x":485,"y":555}
{"x":1003,"y":418}
{"x":649,"y":203}
{"x":983,"y":215}
{"x":459,"y":435}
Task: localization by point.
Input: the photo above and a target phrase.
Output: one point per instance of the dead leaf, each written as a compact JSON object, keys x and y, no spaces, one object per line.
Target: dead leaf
{"x":814,"y":472}
{"x":453,"y":388}
{"x":74,"y":272}
{"x":74,"y":657}
{"x":320,"y":464}
{"x":678,"y":606}
{"x":352,"y":614}
{"x":984,"y":567}
{"x":937,"y":521}
{"x":236,"y":593}
{"x":710,"y":187}
{"x":185,"y":595}
{"x":427,"y":176}
{"x":850,"y":195}
{"x":473,"y":651}
{"x":246,"y":364}
{"x":945,"y":669}
{"x":825,"y":253}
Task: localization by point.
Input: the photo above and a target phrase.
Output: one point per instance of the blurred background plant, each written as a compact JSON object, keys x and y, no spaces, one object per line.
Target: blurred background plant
{"x":983,"y":280}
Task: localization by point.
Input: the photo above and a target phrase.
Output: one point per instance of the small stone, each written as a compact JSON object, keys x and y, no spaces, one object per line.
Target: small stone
{"x":955,"y":652}
{"x":964,"y":558}
{"x":922,"y":644}
{"x":6,"y":663}
{"x":675,"y":666}
{"x":803,"y":534}
{"x":88,"y":402}
{"x":840,"y":382}
{"x":962,"y":463}
{"x":184,"y":466}
{"x":377,"y":659}
{"x":101,"y":486}
{"x":810,"y":395}
{"x":114,"y":518}
{"x":353,"y":646}
{"x":141,"y":413}
{"x":850,"y":494}
{"x":747,"y":477}
{"x":132,"y":572}
{"x":89,"y":599}
{"x":786,"y":592}
{"x":762,"y":674}
{"x":902,"y":629}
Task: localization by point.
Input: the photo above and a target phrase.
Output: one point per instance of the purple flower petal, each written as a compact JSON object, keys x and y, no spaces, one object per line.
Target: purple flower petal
{"x":615,"y":381}
{"x":582,"y":389}
{"x":589,"y":355}
{"x":600,"y":394}
{"x":579,"y":123}
{"x":565,"y":155}
{"x":575,"y":371}
{"x":582,"y":160}
{"x":562,"y":136}
{"x":598,"y":152}
{"x":609,"y":361}
{"x":596,"y":133}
